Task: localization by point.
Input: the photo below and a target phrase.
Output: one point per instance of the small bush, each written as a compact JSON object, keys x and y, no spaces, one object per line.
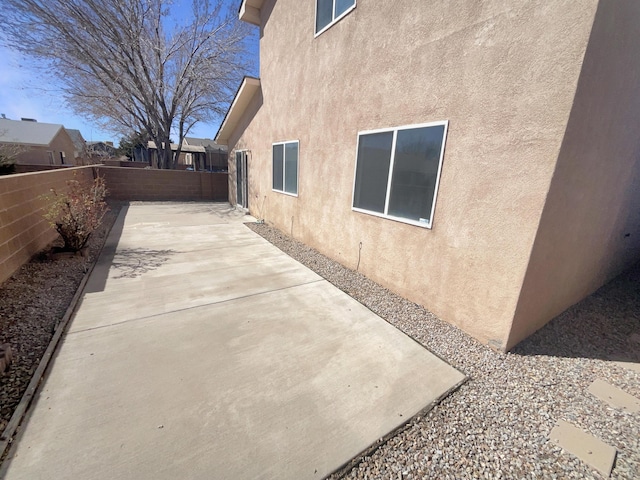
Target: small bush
{"x":78,"y":212}
{"x":7,"y":165}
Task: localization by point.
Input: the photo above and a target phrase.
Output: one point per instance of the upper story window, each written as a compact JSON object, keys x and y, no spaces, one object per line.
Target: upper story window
{"x":285,"y":167}
{"x":398,"y":170}
{"x":329,"y":12}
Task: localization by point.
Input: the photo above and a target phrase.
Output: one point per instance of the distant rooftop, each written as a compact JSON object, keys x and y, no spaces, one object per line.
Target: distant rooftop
{"x":28,"y":132}
{"x":174,"y":147}
{"x":204,"y":142}
{"x":77,"y":138}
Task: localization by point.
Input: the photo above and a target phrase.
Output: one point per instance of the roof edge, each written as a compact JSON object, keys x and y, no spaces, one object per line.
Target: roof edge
{"x":247,"y":89}
{"x":250,"y":11}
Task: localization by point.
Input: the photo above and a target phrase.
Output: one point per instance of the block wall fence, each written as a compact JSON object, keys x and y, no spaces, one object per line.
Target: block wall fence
{"x":24,"y":232}
{"x":158,"y":185}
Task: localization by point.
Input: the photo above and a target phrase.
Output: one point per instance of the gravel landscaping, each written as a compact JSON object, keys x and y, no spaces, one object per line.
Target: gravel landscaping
{"x":497,"y":424}
{"x":32,"y":303}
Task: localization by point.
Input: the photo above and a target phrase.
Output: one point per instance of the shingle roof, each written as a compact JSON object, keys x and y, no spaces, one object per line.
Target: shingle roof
{"x":28,"y":133}
{"x":77,"y":138}
{"x":204,"y":142}
{"x":185,"y":148}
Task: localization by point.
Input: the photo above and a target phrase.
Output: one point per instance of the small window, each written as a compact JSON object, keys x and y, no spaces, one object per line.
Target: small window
{"x":285,"y":167}
{"x":329,"y":12}
{"x":398,"y":170}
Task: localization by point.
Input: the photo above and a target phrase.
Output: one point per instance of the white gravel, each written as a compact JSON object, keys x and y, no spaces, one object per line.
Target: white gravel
{"x":497,"y":425}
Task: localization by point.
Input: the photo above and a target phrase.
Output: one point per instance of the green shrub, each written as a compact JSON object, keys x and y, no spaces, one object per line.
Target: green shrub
{"x":76,"y":214}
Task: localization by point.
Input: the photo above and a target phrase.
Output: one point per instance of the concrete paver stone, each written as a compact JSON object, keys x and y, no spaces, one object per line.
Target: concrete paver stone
{"x":629,"y":365}
{"x":586,"y":447}
{"x":202,"y":351}
{"x":614,"y":396}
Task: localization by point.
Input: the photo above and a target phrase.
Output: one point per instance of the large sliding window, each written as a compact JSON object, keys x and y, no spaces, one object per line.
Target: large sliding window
{"x":329,"y":12}
{"x":285,"y":167}
{"x":397,"y":172}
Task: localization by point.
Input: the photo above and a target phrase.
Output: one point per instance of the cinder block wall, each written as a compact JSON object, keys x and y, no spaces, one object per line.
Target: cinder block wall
{"x":23,"y":231}
{"x":125,"y":163}
{"x":37,"y":168}
{"x":158,"y":185}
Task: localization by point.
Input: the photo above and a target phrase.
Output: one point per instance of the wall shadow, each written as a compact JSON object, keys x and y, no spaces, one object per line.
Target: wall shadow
{"x":100,"y":273}
{"x":605,"y":325}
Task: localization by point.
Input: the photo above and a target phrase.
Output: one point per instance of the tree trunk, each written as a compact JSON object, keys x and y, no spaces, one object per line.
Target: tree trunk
{"x":165,"y":160}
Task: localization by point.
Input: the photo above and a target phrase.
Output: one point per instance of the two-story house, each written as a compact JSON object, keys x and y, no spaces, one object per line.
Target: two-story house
{"x":479,"y":158}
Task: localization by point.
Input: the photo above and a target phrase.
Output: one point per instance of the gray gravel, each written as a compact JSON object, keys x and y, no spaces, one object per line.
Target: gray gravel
{"x":497,"y":424}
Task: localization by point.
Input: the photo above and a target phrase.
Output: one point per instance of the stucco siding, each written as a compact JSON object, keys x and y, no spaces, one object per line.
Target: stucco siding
{"x":255,"y":177}
{"x":38,"y":155}
{"x":590,"y":227}
{"x":502,"y":73}
{"x":63,"y":143}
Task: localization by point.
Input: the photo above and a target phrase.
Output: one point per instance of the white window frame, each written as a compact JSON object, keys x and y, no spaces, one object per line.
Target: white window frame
{"x":335,"y":20}
{"x":284,"y":168}
{"x":395,"y":130}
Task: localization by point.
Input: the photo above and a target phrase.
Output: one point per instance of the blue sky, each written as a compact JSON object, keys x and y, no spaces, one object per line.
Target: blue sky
{"x":24,"y":93}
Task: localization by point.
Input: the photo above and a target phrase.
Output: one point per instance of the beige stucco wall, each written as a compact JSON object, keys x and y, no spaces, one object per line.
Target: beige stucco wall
{"x":38,"y":155}
{"x":243,"y":139}
{"x":503,"y":73}
{"x":590,"y":228}
{"x":34,"y":155}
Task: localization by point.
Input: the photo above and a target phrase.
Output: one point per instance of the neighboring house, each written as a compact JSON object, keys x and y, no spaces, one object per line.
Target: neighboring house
{"x":215,"y":158}
{"x":100,"y":151}
{"x":140,"y":154}
{"x":189,"y":155}
{"x":478,"y":158}
{"x":80,"y":146}
{"x":39,"y":143}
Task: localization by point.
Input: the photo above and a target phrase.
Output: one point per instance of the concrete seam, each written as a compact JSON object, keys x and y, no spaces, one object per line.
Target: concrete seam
{"x":195,"y":306}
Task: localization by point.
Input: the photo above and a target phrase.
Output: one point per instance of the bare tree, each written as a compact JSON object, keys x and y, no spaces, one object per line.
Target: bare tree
{"x":9,"y":152}
{"x":96,"y":153}
{"x":134,"y":64}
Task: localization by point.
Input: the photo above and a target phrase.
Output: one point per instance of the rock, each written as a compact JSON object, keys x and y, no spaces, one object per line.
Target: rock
{"x":6,"y":357}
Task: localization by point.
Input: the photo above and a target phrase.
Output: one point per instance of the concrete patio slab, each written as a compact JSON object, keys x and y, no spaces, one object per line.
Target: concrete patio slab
{"x":235,"y":362}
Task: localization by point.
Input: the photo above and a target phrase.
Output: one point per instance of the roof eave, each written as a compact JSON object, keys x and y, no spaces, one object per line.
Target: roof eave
{"x":248,"y":88}
{"x":250,"y":11}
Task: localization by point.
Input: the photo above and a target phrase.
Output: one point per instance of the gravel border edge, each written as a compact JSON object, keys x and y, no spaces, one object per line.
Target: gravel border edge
{"x":346,"y":468}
